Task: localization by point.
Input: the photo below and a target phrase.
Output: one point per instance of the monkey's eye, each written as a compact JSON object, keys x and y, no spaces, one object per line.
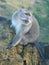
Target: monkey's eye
{"x":28,"y":14}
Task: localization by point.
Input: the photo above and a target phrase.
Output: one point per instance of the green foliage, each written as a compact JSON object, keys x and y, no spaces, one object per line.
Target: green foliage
{"x":41,"y":12}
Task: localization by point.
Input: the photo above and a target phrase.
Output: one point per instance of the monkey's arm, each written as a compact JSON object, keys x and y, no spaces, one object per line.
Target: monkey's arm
{"x":16,"y":40}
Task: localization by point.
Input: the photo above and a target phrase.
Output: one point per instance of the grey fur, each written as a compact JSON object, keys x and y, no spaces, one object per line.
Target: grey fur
{"x":21,"y":27}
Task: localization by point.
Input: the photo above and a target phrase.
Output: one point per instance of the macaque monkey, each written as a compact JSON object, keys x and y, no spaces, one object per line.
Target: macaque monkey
{"x":27,"y":30}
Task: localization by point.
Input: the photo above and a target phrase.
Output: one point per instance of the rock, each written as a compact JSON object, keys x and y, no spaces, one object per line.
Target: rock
{"x":10,"y":57}
{"x":31,"y":55}
{"x":13,"y":56}
{"x":19,"y":48}
{"x":6,"y":34}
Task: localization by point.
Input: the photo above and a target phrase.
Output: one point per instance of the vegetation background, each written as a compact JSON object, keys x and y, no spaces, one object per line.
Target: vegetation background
{"x":40,"y":9}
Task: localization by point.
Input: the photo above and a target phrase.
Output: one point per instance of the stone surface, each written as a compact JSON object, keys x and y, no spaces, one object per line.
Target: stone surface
{"x":15,"y":56}
{"x":31,"y":55}
{"x":6,"y":34}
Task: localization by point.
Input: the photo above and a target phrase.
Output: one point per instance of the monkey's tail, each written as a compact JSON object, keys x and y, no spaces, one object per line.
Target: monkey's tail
{"x":43,"y":55}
